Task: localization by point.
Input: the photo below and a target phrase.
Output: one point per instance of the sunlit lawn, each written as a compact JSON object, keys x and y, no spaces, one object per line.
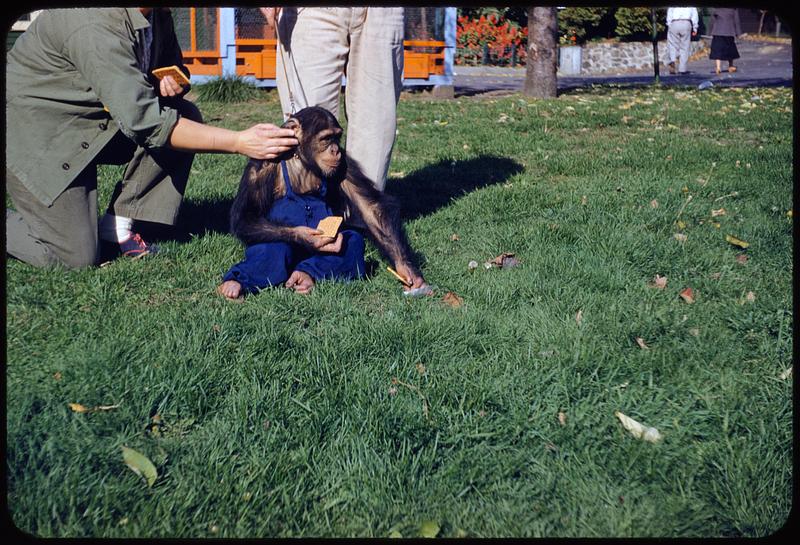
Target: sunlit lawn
{"x":356,"y":411}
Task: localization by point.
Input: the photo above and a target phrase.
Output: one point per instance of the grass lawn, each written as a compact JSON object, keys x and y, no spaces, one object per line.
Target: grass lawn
{"x":355,"y":411}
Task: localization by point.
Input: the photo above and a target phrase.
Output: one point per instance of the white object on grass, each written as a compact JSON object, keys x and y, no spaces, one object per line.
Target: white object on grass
{"x":424,"y":289}
{"x":638,"y":430}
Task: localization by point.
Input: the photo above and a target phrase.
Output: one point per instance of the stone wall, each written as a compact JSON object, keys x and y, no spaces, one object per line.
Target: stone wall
{"x":621,"y":57}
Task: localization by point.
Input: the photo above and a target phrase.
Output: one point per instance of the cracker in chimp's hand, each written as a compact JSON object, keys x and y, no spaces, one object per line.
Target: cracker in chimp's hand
{"x":330,"y":225}
{"x":173,"y":71}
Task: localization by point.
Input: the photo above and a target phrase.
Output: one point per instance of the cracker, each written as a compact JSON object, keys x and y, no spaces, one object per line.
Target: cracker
{"x":173,"y":71}
{"x":330,"y":225}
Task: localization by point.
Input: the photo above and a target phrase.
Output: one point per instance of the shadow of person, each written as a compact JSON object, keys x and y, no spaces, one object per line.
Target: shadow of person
{"x":433,"y":187}
{"x":419,"y":194}
{"x":196,"y":218}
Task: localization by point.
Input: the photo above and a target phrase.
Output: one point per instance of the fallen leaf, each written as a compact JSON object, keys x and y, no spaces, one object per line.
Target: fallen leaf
{"x":454,"y":237}
{"x":659,"y":282}
{"x":736,"y":242}
{"x":140,"y":464}
{"x":505,"y":261}
{"x":579,"y":317}
{"x":78,"y":408}
{"x":562,"y":419}
{"x":694,"y":332}
{"x":680,"y":237}
{"x":452,"y":299}
{"x":420,"y":369}
{"x":789,"y":213}
{"x":750,"y":297}
{"x":654,"y":204}
{"x":57,"y":375}
{"x":687,"y":295}
{"x":681,"y":224}
{"x":641,"y":343}
{"x":584,"y":200}
{"x":429,"y":528}
{"x":786,"y":374}
{"x":716,"y":224}
{"x":638,"y":430}
{"x":392,"y":390}
{"x":472,"y":265}
{"x":720,"y":212}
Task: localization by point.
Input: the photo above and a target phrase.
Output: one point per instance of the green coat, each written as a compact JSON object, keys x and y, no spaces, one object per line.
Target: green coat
{"x":60,"y":75}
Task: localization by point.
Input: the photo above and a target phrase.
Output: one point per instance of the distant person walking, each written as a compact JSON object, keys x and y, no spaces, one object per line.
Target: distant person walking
{"x":682,"y":25}
{"x":725,"y":27}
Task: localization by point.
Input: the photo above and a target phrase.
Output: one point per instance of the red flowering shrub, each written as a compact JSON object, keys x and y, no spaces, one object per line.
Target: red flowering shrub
{"x":498,"y":34}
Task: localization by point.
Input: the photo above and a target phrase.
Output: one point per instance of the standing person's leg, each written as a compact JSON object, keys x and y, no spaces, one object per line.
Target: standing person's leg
{"x":685,"y":41}
{"x":312,"y":52}
{"x":374,"y":81}
{"x":64,"y":233}
{"x":154,"y":182}
{"x":672,"y":47}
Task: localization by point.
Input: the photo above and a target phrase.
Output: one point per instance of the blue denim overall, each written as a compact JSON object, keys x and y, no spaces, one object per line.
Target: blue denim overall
{"x":270,"y":263}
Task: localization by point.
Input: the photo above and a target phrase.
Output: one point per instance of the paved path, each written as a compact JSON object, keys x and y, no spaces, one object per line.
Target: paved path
{"x":762,"y":64}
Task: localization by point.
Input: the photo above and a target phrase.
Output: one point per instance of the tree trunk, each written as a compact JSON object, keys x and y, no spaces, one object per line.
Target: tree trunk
{"x":540,"y":70}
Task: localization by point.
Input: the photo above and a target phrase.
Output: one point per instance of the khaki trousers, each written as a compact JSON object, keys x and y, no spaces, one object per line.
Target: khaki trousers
{"x":65,"y":233}
{"x":679,"y":40}
{"x":317,"y":46}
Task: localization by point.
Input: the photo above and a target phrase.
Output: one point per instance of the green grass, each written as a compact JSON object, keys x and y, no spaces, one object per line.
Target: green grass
{"x":280,"y":416}
{"x":227,"y":90}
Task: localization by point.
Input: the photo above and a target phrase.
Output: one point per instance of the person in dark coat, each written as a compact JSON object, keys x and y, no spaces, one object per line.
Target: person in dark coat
{"x":725,"y":27}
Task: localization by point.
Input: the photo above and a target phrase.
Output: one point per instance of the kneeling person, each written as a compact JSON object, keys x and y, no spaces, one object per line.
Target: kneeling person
{"x":280,"y":204}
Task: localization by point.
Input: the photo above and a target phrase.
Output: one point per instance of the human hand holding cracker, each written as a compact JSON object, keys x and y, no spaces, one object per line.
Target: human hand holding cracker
{"x":172,"y":81}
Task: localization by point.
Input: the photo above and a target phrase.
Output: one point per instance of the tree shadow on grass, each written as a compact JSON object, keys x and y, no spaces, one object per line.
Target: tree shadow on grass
{"x":433,"y":187}
{"x":420,"y":193}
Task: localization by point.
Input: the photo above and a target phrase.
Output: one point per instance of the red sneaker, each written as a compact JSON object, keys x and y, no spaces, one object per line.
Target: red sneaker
{"x":135,"y":247}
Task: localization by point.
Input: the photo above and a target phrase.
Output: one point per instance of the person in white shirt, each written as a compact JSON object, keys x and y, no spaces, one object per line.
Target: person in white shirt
{"x":682,"y":25}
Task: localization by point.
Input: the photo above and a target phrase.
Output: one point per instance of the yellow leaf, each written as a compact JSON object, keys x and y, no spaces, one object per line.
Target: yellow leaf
{"x":78,"y":408}
{"x":429,"y":528}
{"x":736,"y":242}
{"x":140,"y":464}
{"x":681,"y":224}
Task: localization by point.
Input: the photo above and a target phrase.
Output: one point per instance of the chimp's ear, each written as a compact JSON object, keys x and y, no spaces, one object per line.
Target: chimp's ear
{"x":294,"y":124}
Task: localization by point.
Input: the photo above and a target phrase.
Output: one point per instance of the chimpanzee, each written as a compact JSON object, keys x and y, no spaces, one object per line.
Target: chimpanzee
{"x":281,"y":202}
